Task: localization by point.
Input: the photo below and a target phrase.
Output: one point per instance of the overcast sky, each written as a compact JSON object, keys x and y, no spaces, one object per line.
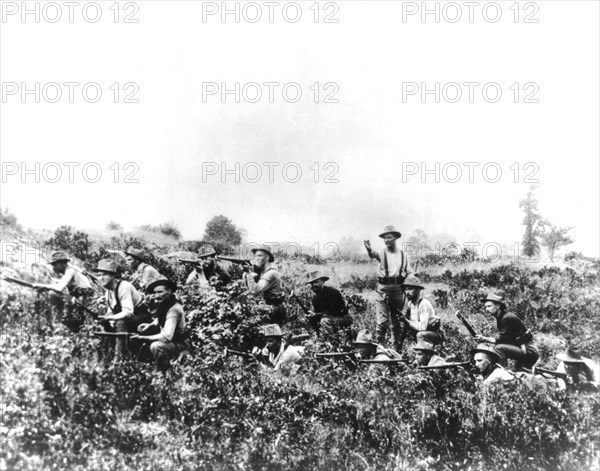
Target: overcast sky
{"x":370,"y":133}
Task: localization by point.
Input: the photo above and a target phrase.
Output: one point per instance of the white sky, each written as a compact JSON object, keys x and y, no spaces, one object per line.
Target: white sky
{"x":369,"y":134}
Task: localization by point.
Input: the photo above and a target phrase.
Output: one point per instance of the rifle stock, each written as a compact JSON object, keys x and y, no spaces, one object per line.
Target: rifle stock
{"x":229,"y":352}
{"x":447,"y":366}
{"x":543,"y":371}
{"x":336,"y":355}
{"x":391,"y":361}
{"x":112,"y":334}
{"x":466,"y":324}
{"x":240,"y":261}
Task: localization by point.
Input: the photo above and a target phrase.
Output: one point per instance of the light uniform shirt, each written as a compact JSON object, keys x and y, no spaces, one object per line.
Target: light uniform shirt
{"x":591,"y":364}
{"x":174,"y":322}
{"x":72,"y":279}
{"x":421,"y":314}
{"x":128,"y":296}
{"x":269,"y":283}
{"x":288,"y":355}
{"x":436,"y":360}
{"x":497,"y":375}
{"x":397,"y":261}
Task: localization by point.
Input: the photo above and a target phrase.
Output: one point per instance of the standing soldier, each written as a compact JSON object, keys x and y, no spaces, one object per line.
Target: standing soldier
{"x":487,"y":359}
{"x":425,"y":355}
{"x":421,"y":320}
{"x":170,"y":318}
{"x":75,"y":282}
{"x":125,"y":307}
{"x":266,"y":280}
{"x":330,"y":312}
{"x":514,"y":340}
{"x":393,"y":269}
{"x":142,"y":273}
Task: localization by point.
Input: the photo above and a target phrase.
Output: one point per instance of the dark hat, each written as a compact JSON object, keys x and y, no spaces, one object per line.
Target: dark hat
{"x":58,"y":256}
{"x":390,"y":230}
{"x":413,"y":281}
{"x":490,"y":350}
{"x":161,"y":280}
{"x":272,"y":330}
{"x":316,"y":275}
{"x":265,"y":249}
{"x":570,"y":356}
{"x":206,"y":252}
{"x":364,"y":337}
{"x":107,"y":266}
{"x":136,"y":253}
{"x":496,"y":298}
{"x":424,"y":347}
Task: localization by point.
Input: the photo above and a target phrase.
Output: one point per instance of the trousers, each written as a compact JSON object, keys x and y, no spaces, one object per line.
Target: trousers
{"x":389,"y":307}
{"x":512,"y":352}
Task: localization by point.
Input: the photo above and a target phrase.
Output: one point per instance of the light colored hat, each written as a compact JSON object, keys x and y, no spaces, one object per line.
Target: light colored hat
{"x":272,"y":330}
{"x":161,"y":280}
{"x":496,"y":298}
{"x":413,"y":281}
{"x":390,"y":230}
{"x":107,"y":266}
{"x":265,"y":249}
{"x":58,"y":256}
{"x":570,"y":356}
{"x":425,"y":347}
{"x":136,"y":253}
{"x":316,"y":275}
{"x":490,"y":350}
{"x":364,"y":337}
{"x":206,"y":252}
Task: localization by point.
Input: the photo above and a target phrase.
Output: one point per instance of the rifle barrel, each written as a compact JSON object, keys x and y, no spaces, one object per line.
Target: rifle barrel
{"x":446,"y":366}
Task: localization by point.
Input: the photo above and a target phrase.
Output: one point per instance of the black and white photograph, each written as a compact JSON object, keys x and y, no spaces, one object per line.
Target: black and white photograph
{"x":350,"y":235}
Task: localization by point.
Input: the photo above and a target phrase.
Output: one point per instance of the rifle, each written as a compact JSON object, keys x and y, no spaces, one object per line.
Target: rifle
{"x":64,"y":295}
{"x":196,"y":263}
{"x":462,"y":364}
{"x":536,"y":370}
{"x":237,"y":353}
{"x":112,"y":334}
{"x":294,"y":339}
{"x":391,"y":361}
{"x":464,"y":321}
{"x":336,"y":355}
{"x":239,"y":261}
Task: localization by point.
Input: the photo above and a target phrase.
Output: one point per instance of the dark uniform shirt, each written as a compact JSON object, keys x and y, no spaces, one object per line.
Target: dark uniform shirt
{"x":510,"y":328}
{"x":329,"y":302}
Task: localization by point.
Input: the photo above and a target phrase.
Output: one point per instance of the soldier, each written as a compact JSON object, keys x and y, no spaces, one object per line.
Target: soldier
{"x":487,"y":360}
{"x":425,"y":355}
{"x":393,"y":269}
{"x":142,"y":273}
{"x":421,"y":320}
{"x":209,"y":267}
{"x":514,"y":340}
{"x":170,"y":318}
{"x":75,"y":282}
{"x":268,"y":283}
{"x":582,"y":373}
{"x":366,"y":349}
{"x":330,"y":312}
{"x":125,"y":307}
{"x":277,"y":352}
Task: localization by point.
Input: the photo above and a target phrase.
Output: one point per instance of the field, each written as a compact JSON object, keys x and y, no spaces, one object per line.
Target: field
{"x":64,"y":407}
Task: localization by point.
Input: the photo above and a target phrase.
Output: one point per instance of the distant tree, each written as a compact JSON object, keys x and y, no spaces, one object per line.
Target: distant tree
{"x":8,"y":220}
{"x":222,"y":233}
{"x":554,"y":237}
{"x":73,"y":242}
{"x":114,"y":226}
{"x":533,"y":223}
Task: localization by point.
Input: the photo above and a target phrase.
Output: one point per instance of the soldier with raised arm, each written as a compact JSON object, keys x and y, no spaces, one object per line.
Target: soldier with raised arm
{"x":264,"y":279}
{"x":393,"y":268}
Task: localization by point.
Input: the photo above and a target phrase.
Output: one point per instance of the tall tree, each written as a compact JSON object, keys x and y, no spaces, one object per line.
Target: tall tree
{"x":533,"y":223}
{"x":555,"y":237}
{"x":222,"y":233}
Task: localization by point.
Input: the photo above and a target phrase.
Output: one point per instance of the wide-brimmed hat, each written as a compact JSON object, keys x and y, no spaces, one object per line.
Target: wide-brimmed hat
{"x":58,"y":256}
{"x":424,"y":347}
{"x":316,"y":275}
{"x":570,"y":356}
{"x":496,"y":298}
{"x":364,"y":337}
{"x":206,"y":252}
{"x":136,"y":253}
{"x":390,"y":230}
{"x":267,"y":250}
{"x":413,"y":281}
{"x":107,"y":266}
{"x":489,"y":349}
{"x":161,"y":280}
{"x":272,"y":330}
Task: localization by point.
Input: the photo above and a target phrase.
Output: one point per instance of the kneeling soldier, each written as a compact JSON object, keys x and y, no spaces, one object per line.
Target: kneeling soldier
{"x":125,"y":306}
{"x":487,"y":361}
{"x":276,"y":351}
{"x":421,"y":320}
{"x":330,"y":311}
{"x":170,"y":318}
{"x":425,"y":355}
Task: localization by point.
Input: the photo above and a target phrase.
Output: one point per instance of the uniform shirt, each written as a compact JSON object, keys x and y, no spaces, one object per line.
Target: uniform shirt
{"x":128,"y":297}
{"x":436,"y":360}
{"x":72,"y":279}
{"x":269,"y":284}
{"x":421,"y":314}
{"x":397,"y":261}
{"x":174,"y":323}
{"x":383,"y":353}
{"x":510,"y":327}
{"x":499,"y":374}
{"x":593,"y":367}
{"x":145,"y":274}
{"x":329,"y":302}
{"x":286,"y":355}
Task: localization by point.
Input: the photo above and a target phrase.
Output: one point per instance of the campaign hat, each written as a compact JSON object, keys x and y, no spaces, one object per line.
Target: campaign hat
{"x":390,"y":230}
{"x":316,"y":275}
{"x":265,"y":249}
{"x":158,"y":281}
{"x":490,"y":350}
{"x":413,"y":281}
{"x":58,"y":256}
{"x":107,"y":266}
